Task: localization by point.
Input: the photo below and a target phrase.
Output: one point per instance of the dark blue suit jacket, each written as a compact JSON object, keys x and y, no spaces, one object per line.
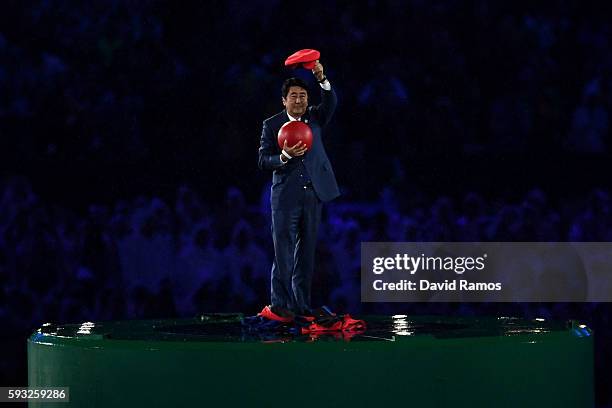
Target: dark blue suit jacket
{"x":286,"y":180}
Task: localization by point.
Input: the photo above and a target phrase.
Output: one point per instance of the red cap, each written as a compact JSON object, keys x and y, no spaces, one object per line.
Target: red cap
{"x":305,"y":58}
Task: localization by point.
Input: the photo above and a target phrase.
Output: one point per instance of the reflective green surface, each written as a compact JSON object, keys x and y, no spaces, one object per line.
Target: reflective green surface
{"x":398,"y":361}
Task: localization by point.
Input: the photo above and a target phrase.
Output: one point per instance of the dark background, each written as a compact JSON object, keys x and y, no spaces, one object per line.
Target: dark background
{"x":129,"y":134}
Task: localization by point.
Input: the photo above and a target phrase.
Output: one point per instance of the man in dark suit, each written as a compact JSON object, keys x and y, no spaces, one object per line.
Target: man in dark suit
{"x":302,"y":180}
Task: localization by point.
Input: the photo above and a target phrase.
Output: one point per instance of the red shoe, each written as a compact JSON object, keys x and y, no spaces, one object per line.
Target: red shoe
{"x":283,"y":316}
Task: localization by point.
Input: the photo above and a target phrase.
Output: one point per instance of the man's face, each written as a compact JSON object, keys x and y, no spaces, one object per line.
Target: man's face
{"x":296,"y":101}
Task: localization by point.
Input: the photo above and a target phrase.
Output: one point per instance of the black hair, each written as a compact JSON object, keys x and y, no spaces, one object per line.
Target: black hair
{"x":293,"y":82}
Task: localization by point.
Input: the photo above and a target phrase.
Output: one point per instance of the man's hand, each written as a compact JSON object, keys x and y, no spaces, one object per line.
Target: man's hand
{"x":294,"y":151}
{"x":317,"y":71}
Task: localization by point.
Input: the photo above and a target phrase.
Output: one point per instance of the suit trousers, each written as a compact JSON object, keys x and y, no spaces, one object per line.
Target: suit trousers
{"x":294,"y":232}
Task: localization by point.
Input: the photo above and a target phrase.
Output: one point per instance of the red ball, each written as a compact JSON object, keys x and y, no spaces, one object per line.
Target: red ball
{"x":293,"y":132}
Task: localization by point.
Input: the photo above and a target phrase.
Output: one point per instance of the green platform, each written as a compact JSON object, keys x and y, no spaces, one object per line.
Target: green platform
{"x":399,"y":362}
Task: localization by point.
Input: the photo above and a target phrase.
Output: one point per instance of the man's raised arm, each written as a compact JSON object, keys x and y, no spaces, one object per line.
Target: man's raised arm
{"x":325,"y":110}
